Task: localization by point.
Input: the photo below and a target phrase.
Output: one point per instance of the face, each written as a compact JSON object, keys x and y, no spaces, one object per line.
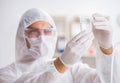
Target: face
{"x":38,"y":28}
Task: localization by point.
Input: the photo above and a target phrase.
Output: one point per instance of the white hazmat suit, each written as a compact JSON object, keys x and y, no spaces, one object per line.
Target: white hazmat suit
{"x":32,"y":67}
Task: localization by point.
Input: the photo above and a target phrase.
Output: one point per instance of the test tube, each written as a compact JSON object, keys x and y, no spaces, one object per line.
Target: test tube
{"x":85,"y":23}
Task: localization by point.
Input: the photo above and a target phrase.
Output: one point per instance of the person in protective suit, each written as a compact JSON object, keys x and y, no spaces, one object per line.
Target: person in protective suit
{"x":35,"y":47}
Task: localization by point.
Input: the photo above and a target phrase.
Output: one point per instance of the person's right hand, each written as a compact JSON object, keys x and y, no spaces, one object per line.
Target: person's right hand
{"x":77,"y":47}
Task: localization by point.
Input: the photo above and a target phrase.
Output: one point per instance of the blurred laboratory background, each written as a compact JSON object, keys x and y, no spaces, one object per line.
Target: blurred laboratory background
{"x":66,"y":14}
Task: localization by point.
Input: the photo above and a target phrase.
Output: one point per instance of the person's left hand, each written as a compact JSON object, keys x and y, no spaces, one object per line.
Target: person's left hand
{"x":102,"y":30}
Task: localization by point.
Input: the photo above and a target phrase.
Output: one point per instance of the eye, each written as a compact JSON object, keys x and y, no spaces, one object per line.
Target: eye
{"x":33,"y":31}
{"x":48,"y":31}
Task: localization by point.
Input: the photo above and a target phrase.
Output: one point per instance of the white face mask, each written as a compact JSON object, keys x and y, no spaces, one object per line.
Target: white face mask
{"x":41,"y":47}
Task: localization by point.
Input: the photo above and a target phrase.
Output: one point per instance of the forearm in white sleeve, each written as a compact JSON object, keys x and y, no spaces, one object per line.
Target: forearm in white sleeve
{"x":104,"y":65}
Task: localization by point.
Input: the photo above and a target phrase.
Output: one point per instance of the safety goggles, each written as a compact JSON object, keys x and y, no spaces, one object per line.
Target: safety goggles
{"x":35,"y":33}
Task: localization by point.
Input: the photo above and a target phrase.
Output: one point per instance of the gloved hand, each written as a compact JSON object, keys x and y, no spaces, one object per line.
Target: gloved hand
{"x":102,"y":30}
{"x":76,"y":48}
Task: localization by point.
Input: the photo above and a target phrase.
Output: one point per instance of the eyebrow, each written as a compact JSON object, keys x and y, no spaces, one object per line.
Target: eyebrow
{"x":31,"y":27}
{"x":36,"y":27}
